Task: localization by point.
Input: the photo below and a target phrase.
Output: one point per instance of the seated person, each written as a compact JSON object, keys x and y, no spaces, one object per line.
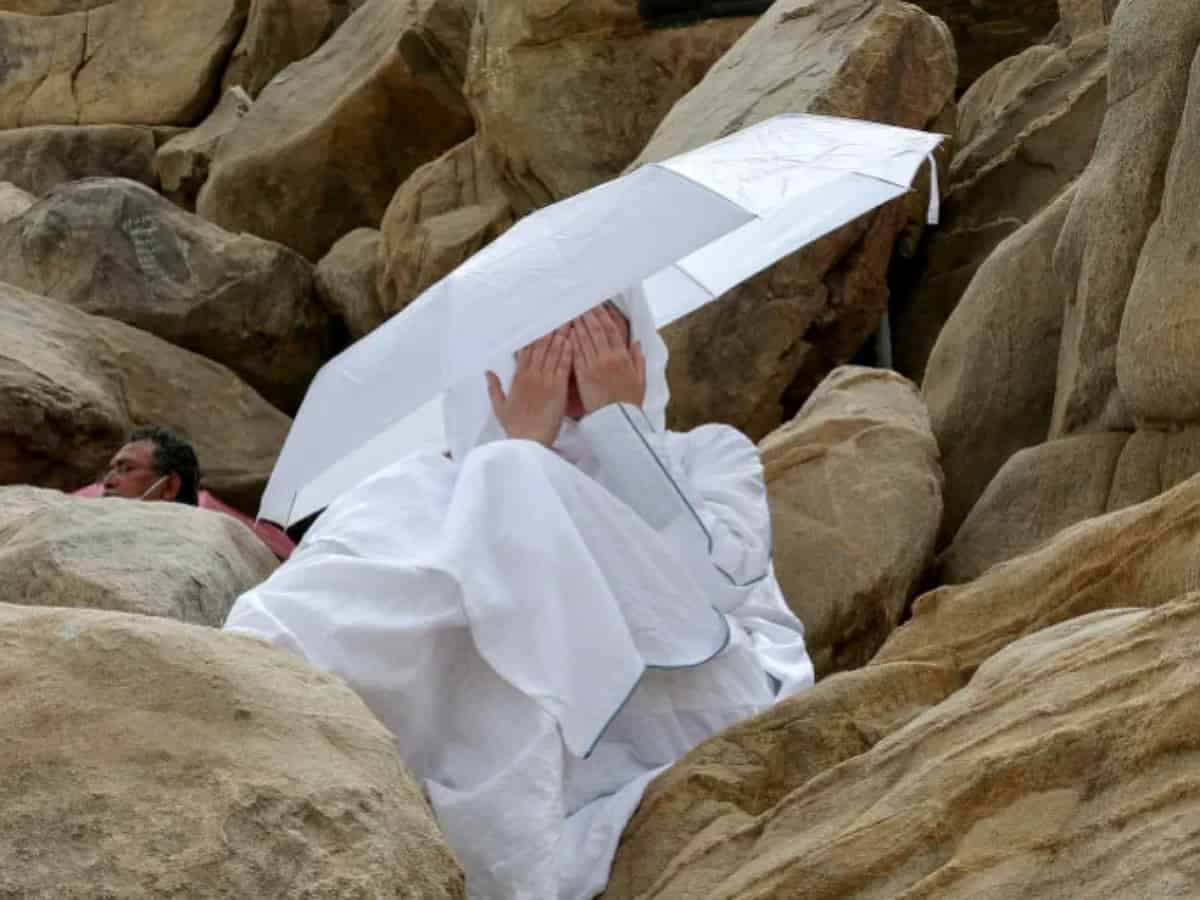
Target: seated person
{"x":154,"y":464}
{"x":556,"y":612}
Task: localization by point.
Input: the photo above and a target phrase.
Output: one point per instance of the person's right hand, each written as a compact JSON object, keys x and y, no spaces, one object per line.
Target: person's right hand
{"x":536,"y":401}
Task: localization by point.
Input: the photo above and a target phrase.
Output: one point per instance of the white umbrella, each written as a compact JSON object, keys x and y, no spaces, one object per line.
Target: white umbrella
{"x":687,"y":229}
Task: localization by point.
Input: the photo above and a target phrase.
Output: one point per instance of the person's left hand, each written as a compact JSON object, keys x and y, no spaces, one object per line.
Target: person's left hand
{"x":607,"y":368}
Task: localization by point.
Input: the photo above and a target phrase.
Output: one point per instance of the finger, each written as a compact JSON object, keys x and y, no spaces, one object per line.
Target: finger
{"x":566,"y":358}
{"x":496,"y":394}
{"x":554,"y":355}
{"x":610,"y":329}
{"x":540,"y":348}
{"x":584,"y":351}
{"x":593,"y":332}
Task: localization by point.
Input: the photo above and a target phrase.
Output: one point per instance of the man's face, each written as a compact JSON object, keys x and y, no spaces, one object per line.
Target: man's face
{"x":131,"y":472}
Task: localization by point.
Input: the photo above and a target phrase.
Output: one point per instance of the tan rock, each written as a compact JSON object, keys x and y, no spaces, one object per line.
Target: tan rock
{"x":130,"y":61}
{"x":182,"y":163}
{"x":13,"y":201}
{"x":1144,"y":554}
{"x":1055,"y":773}
{"x":155,"y":559}
{"x":856,"y":504}
{"x":1118,"y":198}
{"x":1026,"y":129}
{"x":744,"y":771}
{"x":49,"y":7}
{"x":991,"y":377}
{"x":278,"y":33}
{"x":45,"y":157}
{"x":755,"y":354}
{"x":349,"y":123}
{"x":145,"y":758}
{"x":1078,"y":17}
{"x":115,"y":248}
{"x":74,"y":384}
{"x":347,"y":281}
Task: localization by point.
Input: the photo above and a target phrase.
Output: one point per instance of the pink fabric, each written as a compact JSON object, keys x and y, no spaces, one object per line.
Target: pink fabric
{"x":276,"y":540}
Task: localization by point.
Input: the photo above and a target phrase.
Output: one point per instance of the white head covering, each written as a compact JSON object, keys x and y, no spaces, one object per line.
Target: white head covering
{"x":468,"y":409}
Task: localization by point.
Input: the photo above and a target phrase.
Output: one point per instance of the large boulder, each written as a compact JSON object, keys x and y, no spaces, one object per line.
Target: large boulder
{"x":750,"y":358}
{"x":116,"y":248}
{"x":856,"y":504}
{"x":1058,"y":771}
{"x":144,"y":62}
{"x":13,"y":201}
{"x":1026,"y":129}
{"x":182,"y":163}
{"x":991,"y":376}
{"x":156,"y":559}
{"x":74,"y":384}
{"x":347,"y":281}
{"x":42,"y":158}
{"x":348,"y":123}
{"x":146,"y":758}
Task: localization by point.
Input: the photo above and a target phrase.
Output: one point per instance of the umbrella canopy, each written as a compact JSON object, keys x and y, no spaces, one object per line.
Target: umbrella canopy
{"x":686,"y":230}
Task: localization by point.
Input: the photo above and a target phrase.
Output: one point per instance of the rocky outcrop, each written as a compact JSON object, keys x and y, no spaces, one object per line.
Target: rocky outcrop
{"x":752,"y":356}
{"x":856,"y":504}
{"x":142,"y":62}
{"x":152,"y":759}
{"x":393,"y":69}
{"x":13,"y":201}
{"x":115,"y":248}
{"x":74,"y":384}
{"x":347,"y":281}
{"x":155,"y":559}
{"x":43,"y":158}
{"x":182,"y":163}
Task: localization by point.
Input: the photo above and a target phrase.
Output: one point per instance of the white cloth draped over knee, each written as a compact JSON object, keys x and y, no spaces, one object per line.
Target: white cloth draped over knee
{"x":544,"y":630}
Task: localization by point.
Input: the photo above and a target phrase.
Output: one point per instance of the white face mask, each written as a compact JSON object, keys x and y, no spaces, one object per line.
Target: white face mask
{"x":142,"y":496}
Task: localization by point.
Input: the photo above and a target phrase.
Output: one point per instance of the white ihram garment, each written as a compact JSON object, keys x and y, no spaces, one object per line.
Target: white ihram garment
{"x":544,"y":631}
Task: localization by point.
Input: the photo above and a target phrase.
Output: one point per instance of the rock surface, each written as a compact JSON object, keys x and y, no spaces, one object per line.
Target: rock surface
{"x":756,"y":353}
{"x":350,"y":123}
{"x":347,"y":281}
{"x":145,"y":758}
{"x":182,"y":163}
{"x":43,"y":158}
{"x":75,"y":384}
{"x":156,"y":559}
{"x":13,"y":201}
{"x":115,"y":248}
{"x":856,"y":502}
{"x":142,"y":62}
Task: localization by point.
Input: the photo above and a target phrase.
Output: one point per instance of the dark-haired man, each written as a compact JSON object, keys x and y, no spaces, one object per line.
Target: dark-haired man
{"x":154,"y":464}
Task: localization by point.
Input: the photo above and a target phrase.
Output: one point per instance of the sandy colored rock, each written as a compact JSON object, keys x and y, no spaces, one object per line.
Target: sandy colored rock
{"x":116,"y":248}
{"x":130,"y":61}
{"x":49,"y":7}
{"x":1144,"y":554}
{"x":752,"y":357}
{"x":13,"y":201}
{"x":182,"y":163}
{"x":347,"y":281}
{"x":745,"y":770}
{"x":75,"y":384}
{"x":1078,"y":17}
{"x":350,"y":123}
{"x":155,"y":559}
{"x":42,"y":158}
{"x":856,"y":504}
{"x":1026,"y":130}
{"x":145,"y":758}
{"x":1117,"y":201}
{"x":278,"y":33}
{"x":991,"y":377}
{"x":1056,"y":773}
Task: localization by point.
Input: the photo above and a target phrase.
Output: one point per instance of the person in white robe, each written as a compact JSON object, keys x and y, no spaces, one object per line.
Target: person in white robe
{"x":555,"y":611}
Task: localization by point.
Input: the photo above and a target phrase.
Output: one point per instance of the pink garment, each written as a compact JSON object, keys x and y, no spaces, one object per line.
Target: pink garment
{"x":276,"y":540}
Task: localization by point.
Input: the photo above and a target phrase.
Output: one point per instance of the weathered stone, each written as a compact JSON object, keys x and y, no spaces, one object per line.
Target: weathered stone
{"x":145,"y":758}
{"x":1144,"y":555}
{"x":42,"y":158}
{"x":115,"y":248}
{"x":156,"y":559}
{"x":13,"y":201}
{"x":49,"y":7}
{"x":744,"y":771}
{"x":74,"y":384}
{"x":856,"y":504}
{"x":756,"y":353}
{"x":1026,"y":129}
{"x":130,"y":61}
{"x":278,"y":33}
{"x":182,"y":163}
{"x":991,"y":377}
{"x":1078,"y":17}
{"x":347,"y":281}
{"x":349,"y":123}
